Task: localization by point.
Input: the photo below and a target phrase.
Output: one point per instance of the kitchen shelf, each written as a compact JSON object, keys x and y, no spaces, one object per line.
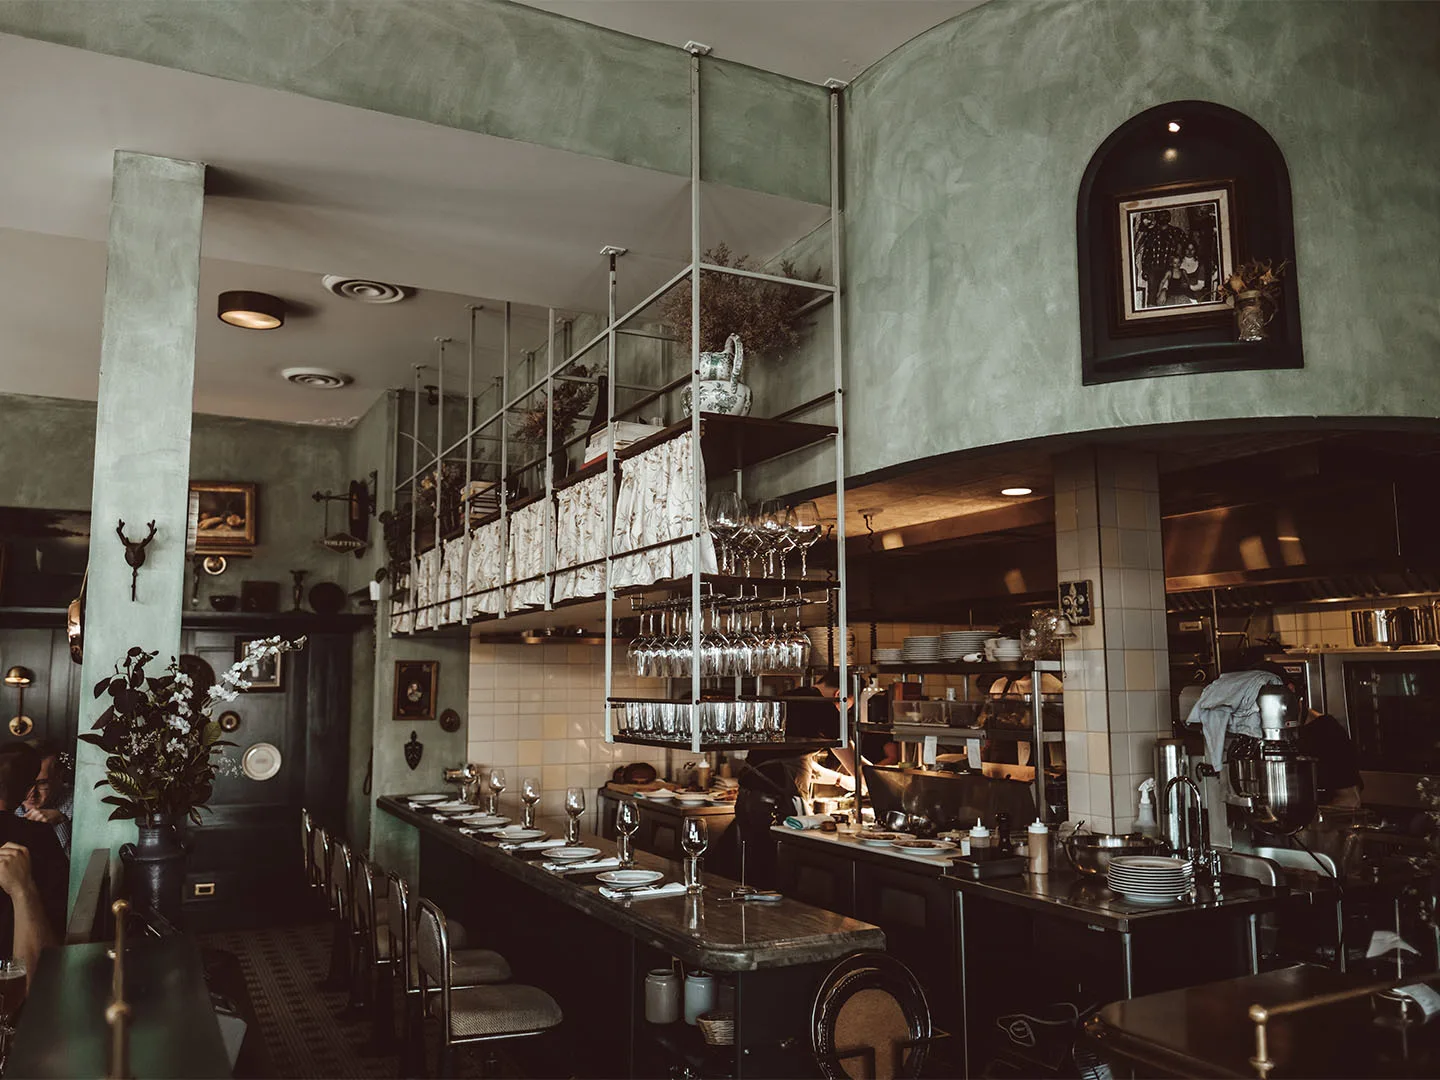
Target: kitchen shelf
{"x":919,"y":731}
{"x":795,"y":746}
{"x":985,"y":667}
{"x":737,"y":442}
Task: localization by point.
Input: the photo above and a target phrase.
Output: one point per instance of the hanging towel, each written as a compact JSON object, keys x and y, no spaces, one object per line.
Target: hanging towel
{"x":1229,"y":704}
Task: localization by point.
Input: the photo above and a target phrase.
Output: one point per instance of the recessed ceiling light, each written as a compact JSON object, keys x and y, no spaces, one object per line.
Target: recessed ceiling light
{"x":316,"y":378}
{"x":1170,"y":154}
{"x":1173,"y":127}
{"x":1016,"y":491}
{"x":251,"y":310}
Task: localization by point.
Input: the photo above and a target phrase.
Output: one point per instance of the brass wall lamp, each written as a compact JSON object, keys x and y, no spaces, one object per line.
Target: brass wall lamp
{"x":20,"y":677}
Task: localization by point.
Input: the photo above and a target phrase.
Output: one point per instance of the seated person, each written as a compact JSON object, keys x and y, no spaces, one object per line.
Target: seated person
{"x":33,"y":869}
{"x":51,"y":799}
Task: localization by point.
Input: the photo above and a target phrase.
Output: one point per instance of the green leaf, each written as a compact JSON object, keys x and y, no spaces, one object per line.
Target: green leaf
{"x":93,"y":739}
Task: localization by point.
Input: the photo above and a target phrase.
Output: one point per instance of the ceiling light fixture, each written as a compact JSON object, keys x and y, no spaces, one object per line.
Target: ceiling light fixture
{"x":251,"y":310}
{"x":1173,"y":127}
{"x":1170,"y":154}
{"x":1015,"y":492}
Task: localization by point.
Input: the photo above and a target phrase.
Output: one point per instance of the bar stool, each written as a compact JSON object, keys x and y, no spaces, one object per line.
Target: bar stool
{"x":474,"y":1014}
{"x":339,"y":975}
{"x":395,"y":947}
{"x":870,"y":1018}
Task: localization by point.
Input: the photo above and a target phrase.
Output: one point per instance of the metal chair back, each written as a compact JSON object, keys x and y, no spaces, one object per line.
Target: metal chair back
{"x":432,"y":949}
{"x":397,"y":903}
{"x":861,"y":972}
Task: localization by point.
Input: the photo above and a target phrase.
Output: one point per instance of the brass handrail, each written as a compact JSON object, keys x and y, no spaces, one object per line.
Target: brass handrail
{"x":117,"y":1015}
{"x":1261,"y":1015}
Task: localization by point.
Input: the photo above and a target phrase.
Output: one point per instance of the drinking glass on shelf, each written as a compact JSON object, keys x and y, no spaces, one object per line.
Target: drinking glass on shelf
{"x":574,"y":806}
{"x":627,"y":820}
{"x":804,"y":530}
{"x":529,"y":795}
{"x":694,"y":839}
{"x":497,"y":788}
{"x":727,"y":512}
{"x":771,"y":524}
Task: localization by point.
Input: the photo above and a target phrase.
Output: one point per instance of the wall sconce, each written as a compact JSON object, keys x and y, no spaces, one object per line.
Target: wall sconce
{"x":20,"y":677}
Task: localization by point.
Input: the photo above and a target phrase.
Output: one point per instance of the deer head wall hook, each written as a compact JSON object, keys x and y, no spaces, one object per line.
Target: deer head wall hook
{"x":134,"y":552}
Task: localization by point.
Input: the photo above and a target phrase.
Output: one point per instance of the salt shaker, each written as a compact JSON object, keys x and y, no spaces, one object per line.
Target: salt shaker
{"x":1037,"y":838}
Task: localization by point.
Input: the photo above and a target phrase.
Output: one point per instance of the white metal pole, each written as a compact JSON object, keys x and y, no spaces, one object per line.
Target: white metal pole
{"x":696,"y":460}
{"x":504,"y":466}
{"x":837,"y":257}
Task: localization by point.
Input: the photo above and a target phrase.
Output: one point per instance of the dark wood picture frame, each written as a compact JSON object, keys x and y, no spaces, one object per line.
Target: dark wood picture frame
{"x":270,"y":675}
{"x":209,"y":528}
{"x":1127,"y":318}
{"x":416,"y":685}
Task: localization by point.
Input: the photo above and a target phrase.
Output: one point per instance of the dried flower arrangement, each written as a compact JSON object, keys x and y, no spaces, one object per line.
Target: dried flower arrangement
{"x":760,"y":312}
{"x":1257,"y":275}
{"x":571,"y":399}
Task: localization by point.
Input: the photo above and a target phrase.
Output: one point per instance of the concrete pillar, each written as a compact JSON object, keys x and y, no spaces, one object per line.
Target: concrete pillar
{"x":142,"y":445}
{"x":1117,"y":674}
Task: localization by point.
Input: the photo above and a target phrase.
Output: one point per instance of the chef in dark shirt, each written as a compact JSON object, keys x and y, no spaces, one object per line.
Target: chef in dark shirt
{"x":33,"y":870}
{"x":1337,"y":771}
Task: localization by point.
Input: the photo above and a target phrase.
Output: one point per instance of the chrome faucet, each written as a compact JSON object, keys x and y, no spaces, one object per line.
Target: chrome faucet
{"x":1204,"y":858}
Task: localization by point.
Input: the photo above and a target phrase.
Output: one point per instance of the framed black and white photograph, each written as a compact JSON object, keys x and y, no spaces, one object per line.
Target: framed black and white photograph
{"x":264,"y":674}
{"x":1176,"y":250}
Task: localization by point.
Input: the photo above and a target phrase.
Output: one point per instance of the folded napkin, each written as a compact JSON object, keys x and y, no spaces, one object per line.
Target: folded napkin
{"x":611,"y":863}
{"x":532,"y":845}
{"x":673,"y":888}
{"x":806,"y":821}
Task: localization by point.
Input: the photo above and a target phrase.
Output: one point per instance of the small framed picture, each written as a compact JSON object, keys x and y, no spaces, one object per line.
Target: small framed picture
{"x":1176,"y":247}
{"x":222,"y":518}
{"x":266,"y":674}
{"x":416,"y":682}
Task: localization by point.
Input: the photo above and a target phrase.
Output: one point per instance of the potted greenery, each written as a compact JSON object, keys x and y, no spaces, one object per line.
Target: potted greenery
{"x":736,"y":313}
{"x":160,"y":758}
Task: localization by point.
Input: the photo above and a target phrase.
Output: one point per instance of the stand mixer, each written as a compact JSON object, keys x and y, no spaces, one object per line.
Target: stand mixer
{"x":1272,"y":783}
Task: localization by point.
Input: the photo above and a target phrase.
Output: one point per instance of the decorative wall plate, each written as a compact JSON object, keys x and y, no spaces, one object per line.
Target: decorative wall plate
{"x":449,"y":720}
{"x":229,"y":721}
{"x":261,"y":761}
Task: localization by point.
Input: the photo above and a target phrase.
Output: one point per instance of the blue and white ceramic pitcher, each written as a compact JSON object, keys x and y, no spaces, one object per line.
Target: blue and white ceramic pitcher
{"x":721,"y":390}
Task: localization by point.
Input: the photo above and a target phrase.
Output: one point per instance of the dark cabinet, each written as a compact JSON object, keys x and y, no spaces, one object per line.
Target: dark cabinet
{"x":810,"y":873}
{"x":917,"y":913}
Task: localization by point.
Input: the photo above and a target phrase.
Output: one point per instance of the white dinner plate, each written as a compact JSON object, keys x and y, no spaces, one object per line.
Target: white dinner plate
{"x":923,"y":847}
{"x":515,"y":836}
{"x":629,"y":879}
{"x":1149,"y":862}
{"x":455,"y":806}
{"x":572,"y":854}
{"x":483,"y":821}
{"x":260,"y":761}
{"x":429,"y":798}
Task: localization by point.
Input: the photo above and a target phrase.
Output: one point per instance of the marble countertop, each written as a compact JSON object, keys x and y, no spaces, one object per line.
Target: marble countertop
{"x":701,"y":929}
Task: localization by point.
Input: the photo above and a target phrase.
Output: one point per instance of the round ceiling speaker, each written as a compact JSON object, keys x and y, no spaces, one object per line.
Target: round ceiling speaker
{"x":364,"y":290}
{"x":316,"y":378}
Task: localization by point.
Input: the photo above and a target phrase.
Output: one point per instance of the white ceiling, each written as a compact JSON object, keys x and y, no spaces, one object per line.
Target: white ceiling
{"x":812,"y":40}
{"x":300,"y":188}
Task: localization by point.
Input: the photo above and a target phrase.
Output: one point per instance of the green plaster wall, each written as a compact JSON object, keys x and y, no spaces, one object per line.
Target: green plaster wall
{"x":964,"y":153}
{"x":479,"y":65}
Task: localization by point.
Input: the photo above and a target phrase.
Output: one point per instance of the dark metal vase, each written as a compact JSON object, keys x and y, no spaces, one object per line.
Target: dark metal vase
{"x":155,"y":868}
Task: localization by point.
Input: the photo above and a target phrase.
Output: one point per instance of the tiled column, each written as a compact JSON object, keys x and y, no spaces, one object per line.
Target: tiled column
{"x":1117,"y":675}
{"x":142,"y":447}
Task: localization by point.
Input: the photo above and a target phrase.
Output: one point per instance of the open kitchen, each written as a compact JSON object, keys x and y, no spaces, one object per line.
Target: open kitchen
{"x":655,"y":540}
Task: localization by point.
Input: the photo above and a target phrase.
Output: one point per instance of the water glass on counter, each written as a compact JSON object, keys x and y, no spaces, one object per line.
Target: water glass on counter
{"x":694,"y":839}
{"x":627,"y":820}
{"x":574,"y":807}
{"x":529,"y":795}
{"x":497,"y":788}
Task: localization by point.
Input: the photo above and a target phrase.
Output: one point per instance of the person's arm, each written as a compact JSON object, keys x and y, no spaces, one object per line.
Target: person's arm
{"x":33,"y":931}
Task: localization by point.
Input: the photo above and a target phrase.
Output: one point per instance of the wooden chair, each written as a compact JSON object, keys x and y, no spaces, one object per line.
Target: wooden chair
{"x":474,"y":1014}
{"x":870,"y":1019}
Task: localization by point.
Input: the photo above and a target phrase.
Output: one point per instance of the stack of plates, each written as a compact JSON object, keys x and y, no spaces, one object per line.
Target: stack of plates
{"x":960,"y":643}
{"x":921,"y":650}
{"x":1150,"y":879}
{"x":889,"y":656}
{"x":1006,"y":649}
{"x":820,"y":651}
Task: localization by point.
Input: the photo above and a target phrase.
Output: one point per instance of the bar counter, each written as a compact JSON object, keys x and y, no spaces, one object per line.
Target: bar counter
{"x":592,"y":954}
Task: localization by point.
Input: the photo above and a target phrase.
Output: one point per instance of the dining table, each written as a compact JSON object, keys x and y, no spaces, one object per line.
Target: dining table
{"x":592,"y":951}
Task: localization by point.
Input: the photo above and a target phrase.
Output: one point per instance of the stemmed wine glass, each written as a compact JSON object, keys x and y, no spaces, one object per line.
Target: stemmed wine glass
{"x":727,"y":511}
{"x":770,"y":522}
{"x":497,"y":788}
{"x":529,"y":795}
{"x":804,"y":530}
{"x":574,"y":806}
{"x":694,"y":839}
{"x":627,"y":820}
